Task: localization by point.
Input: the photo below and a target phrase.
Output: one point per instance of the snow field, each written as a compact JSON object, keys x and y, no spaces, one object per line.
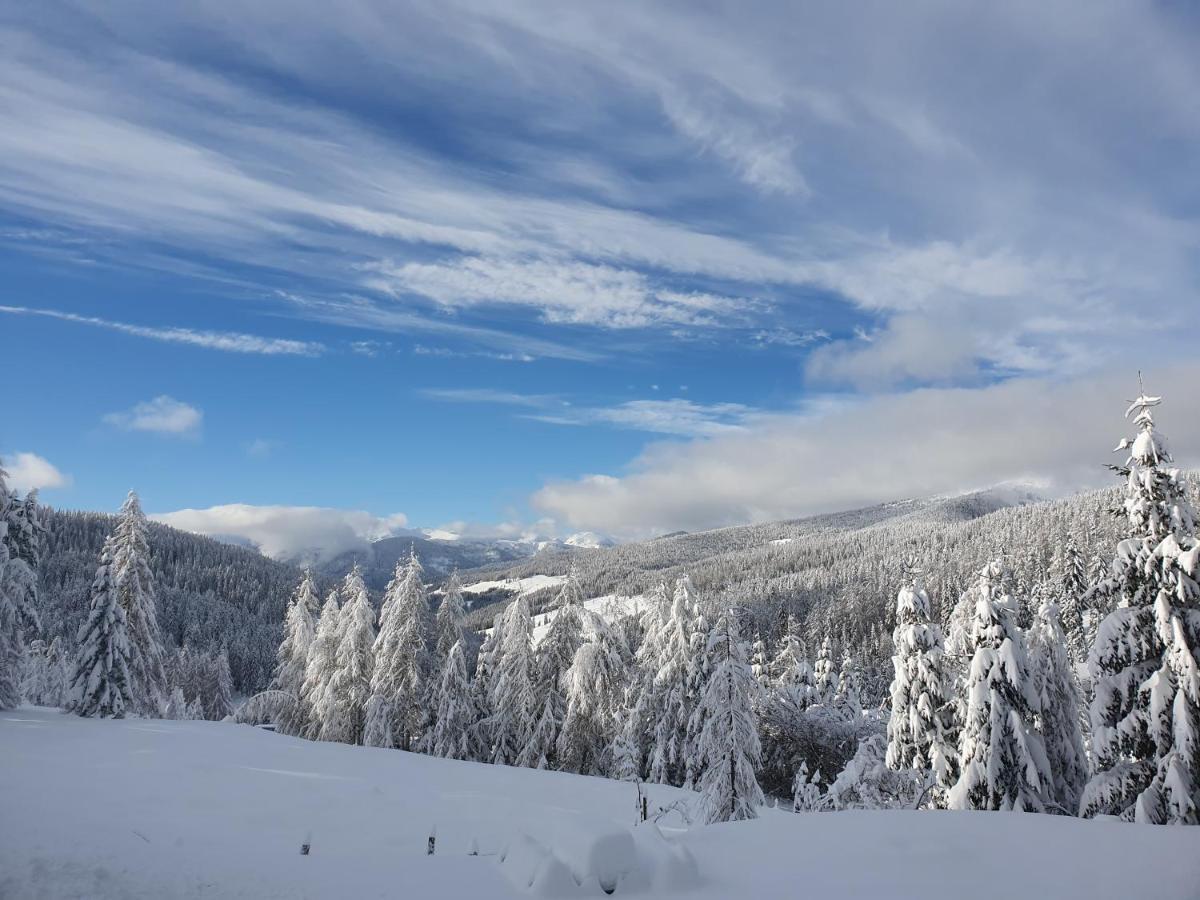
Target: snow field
{"x":140,"y":808}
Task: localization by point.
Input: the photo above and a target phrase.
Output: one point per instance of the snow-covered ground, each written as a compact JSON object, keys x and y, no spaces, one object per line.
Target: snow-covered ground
{"x":145,"y":808}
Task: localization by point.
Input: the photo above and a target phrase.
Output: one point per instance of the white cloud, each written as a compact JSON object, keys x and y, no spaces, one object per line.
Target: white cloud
{"x":27,"y":471}
{"x":312,"y":533}
{"x":888,"y":447}
{"x":229,"y":341}
{"x":162,"y":415}
{"x":563,"y":291}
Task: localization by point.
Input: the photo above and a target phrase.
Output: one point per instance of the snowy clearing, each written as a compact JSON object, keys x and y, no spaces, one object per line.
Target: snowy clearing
{"x":516,"y":585}
{"x":137,"y":808}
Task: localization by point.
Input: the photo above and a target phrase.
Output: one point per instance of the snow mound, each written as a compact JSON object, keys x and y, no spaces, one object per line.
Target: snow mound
{"x":585,"y":858}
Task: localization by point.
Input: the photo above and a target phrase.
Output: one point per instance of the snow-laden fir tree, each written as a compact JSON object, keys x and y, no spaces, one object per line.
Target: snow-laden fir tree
{"x":299,"y":631}
{"x":760,"y":663}
{"x":920,"y":728}
{"x":455,"y":709}
{"x":18,"y":588}
{"x":671,"y":707}
{"x":595,"y":685}
{"x":402,"y":661}
{"x":848,"y":699}
{"x":130,"y":554}
{"x":824,"y":674}
{"x":1145,"y":664}
{"x":1073,"y":589}
{"x":448,"y":622}
{"x":513,"y":692}
{"x":177,"y":707}
{"x":101,"y":683}
{"x":322,"y":664}
{"x":793,"y":673}
{"x":729,"y":747}
{"x":217,"y":695}
{"x":647,"y":658}
{"x":806,"y":790}
{"x":349,"y":689}
{"x":1058,"y":707}
{"x":698,"y":672}
{"x":1003,"y":762}
{"x":555,"y":654}
{"x":481,"y":689}
{"x":625,"y":754}
{"x":47,"y":673}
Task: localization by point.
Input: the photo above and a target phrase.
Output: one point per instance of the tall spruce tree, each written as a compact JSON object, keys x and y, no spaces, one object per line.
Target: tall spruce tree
{"x":101,"y":685}
{"x":322,"y":664}
{"x":729,"y":746}
{"x":1003,"y":760}
{"x":449,"y":619}
{"x":555,"y":654}
{"x":299,"y":631}
{"x":1145,"y":664}
{"x":1058,"y":707}
{"x":513,"y":695}
{"x":920,"y":729}
{"x":349,"y":689}
{"x":595,"y":685}
{"x":825,"y":674}
{"x":20,"y":535}
{"x":402,"y":661}
{"x":450,"y":735}
{"x":130,"y":554}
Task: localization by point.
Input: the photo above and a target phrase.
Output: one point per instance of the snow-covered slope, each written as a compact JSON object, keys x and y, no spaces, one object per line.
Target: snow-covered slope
{"x":151,"y":809}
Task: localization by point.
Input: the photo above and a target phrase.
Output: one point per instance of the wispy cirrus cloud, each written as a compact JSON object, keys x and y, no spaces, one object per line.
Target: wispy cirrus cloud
{"x":674,"y":416}
{"x":228,"y":341}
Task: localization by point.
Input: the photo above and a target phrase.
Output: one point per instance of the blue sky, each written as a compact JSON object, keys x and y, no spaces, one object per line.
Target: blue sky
{"x":544,"y":267}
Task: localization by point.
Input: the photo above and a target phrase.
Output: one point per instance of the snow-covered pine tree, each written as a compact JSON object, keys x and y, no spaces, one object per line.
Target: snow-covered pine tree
{"x":760,"y":664}
{"x":18,"y":588}
{"x":595,"y":685}
{"x":135,"y":588}
{"x":920,"y":729}
{"x":101,"y":683}
{"x":1145,"y":664}
{"x":322,"y":664}
{"x":299,"y":631}
{"x":1058,"y":716}
{"x":699,"y":669}
{"x":672,"y":709}
{"x":218,"y":686}
{"x":1073,"y":590}
{"x":848,"y":700}
{"x":402,"y":660}
{"x":450,"y":735}
{"x":824,"y":674}
{"x":449,"y":619}
{"x":729,"y":746}
{"x":625,"y":755}
{"x":793,"y":673}
{"x":513,"y":694}
{"x":555,"y":654}
{"x":481,"y":690}
{"x":806,"y":790}
{"x":349,"y":689}
{"x":1002,"y":757}
{"x":176,"y":705}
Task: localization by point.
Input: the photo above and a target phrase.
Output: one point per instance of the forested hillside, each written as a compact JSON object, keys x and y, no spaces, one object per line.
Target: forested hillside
{"x":209,"y":593}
